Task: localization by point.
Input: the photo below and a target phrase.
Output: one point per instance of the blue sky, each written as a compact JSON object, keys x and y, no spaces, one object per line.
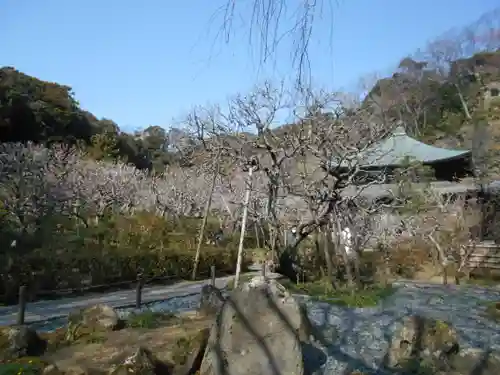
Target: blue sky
{"x":147,"y":62}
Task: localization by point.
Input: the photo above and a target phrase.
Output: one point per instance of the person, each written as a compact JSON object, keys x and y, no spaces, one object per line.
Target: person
{"x":218,"y":236}
{"x":346,"y":240}
{"x":293,"y":236}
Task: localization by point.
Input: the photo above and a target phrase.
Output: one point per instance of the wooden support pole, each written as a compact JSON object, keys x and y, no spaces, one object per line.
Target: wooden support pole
{"x":22,"y":305}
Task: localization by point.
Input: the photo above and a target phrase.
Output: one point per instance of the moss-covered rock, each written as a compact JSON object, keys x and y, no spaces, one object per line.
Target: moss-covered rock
{"x":421,"y":342}
{"x":174,"y":342}
{"x":189,"y":352}
{"x":493,"y":311}
{"x":98,"y":318}
{"x":142,"y":362}
{"x":60,"y":338}
{"x":20,"y":341}
{"x":475,"y":361}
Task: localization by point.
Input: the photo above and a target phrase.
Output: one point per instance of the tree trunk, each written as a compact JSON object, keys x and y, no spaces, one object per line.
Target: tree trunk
{"x":257,"y":236}
{"x":387,"y":265}
{"x":272,"y":239}
{"x":443,"y":259}
{"x":330,"y":269}
{"x":205,"y":216}
{"x":357,"y":268}
{"x":336,"y":228}
{"x":243,"y":227}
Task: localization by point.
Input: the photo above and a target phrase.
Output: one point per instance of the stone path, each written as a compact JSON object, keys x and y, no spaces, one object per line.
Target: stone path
{"x":50,"y":309}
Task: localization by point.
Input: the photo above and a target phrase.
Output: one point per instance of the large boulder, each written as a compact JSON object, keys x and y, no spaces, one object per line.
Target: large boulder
{"x":422,"y":342}
{"x":92,"y":319}
{"x":261,"y":329}
{"x":20,"y":341}
{"x":210,"y":300}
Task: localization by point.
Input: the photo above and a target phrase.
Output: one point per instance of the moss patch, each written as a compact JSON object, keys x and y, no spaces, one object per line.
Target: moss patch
{"x":150,"y":319}
{"x":185,"y":346}
{"x":23,"y":366}
{"x":60,"y":338}
{"x":323,"y":291}
{"x":170,"y":344}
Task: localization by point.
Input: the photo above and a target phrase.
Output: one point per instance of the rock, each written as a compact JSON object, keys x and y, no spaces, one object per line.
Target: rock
{"x":288,"y":265}
{"x":210,"y":301}
{"x":196,"y":351}
{"x":142,"y":362}
{"x":94,"y":318}
{"x":261,"y":329}
{"x":419,"y":340}
{"x":474,"y":361}
{"x":493,"y":311}
{"x":52,"y":370}
{"x":20,"y":341}
{"x":172,"y":345}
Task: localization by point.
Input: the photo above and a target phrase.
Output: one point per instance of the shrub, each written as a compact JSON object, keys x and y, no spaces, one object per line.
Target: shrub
{"x":407,"y":257}
{"x":113,"y":250}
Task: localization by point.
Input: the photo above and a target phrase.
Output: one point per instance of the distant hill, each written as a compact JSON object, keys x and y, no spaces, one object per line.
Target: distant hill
{"x":429,"y":101}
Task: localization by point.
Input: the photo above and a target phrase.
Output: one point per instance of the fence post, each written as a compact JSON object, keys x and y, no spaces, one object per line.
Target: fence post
{"x":212,"y":275}
{"x":22,"y":305}
{"x":138,"y":292}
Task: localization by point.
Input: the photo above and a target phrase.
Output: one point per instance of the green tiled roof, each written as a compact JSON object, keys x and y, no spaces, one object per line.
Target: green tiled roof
{"x":397,"y":148}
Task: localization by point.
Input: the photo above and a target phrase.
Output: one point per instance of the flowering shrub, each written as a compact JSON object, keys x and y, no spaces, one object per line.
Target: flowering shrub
{"x":66,"y":221}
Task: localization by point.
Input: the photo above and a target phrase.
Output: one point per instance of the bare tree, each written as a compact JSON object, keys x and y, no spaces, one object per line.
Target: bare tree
{"x":447,"y":223}
{"x":274,"y":148}
{"x":208,"y":205}
{"x":332,"y":169}
{"x":222,"y":143}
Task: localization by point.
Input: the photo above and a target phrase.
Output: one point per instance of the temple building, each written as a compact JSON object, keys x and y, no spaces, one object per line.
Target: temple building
{"x":452,"y":170}
{"x":398,"y":149}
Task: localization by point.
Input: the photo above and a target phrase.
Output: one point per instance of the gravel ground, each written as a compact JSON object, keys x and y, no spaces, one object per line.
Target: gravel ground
{"x":363,"y":335}
{"x":179,"y":304}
